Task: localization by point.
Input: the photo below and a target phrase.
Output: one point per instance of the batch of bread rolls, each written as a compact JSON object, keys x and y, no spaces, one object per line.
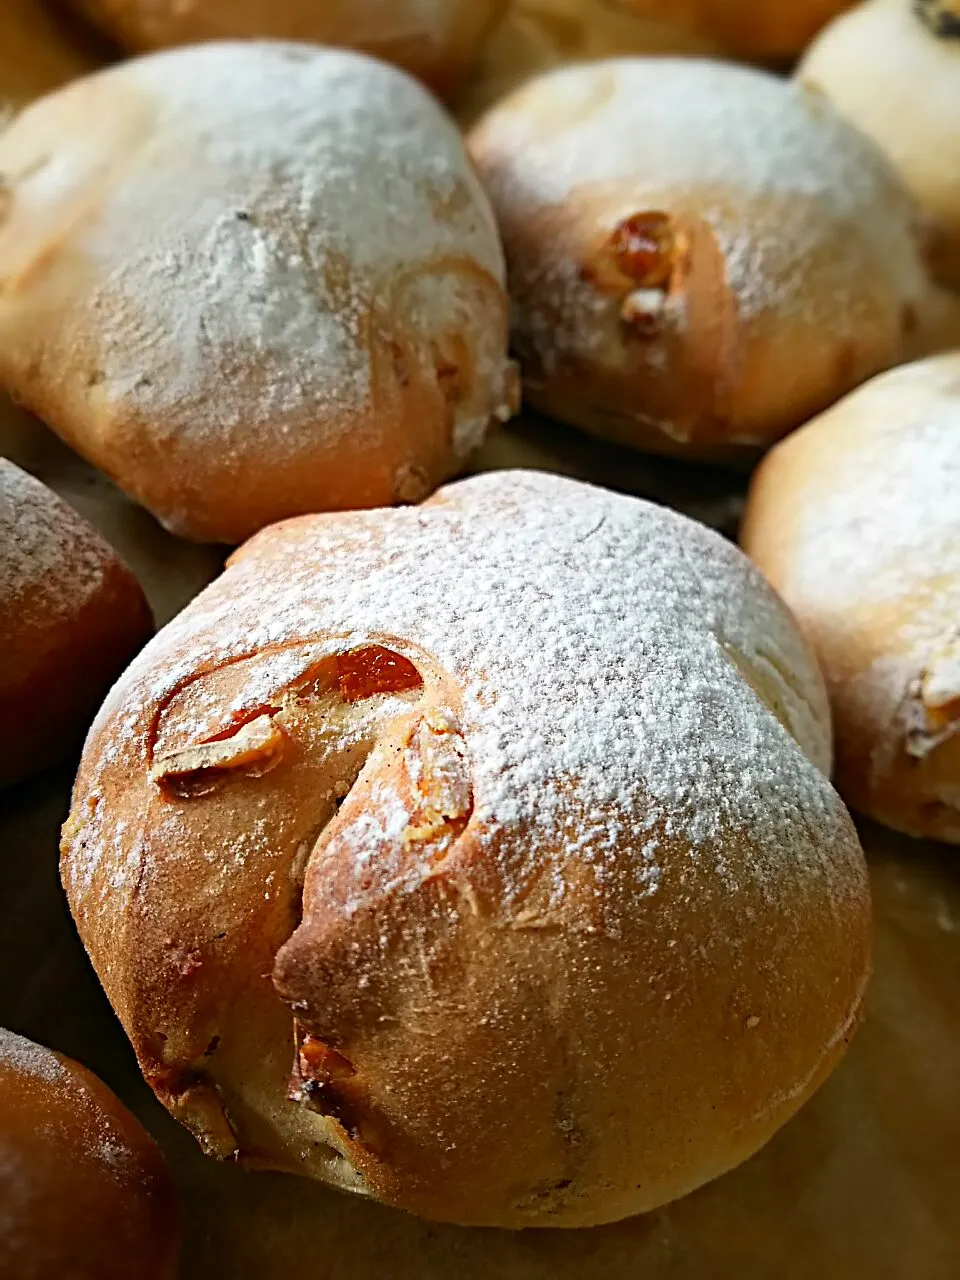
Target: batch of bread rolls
{"x":453,"y":801}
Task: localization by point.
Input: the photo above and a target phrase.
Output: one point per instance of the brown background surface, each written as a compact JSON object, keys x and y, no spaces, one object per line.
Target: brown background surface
{"x":864,"y":1183}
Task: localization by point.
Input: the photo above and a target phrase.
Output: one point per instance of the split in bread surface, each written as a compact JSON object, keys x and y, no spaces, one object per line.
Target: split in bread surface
{"x":478,"y":857}
{"x":71,"y":616}
{"x":84,"y":1191}
{"x":855,"y":519}
{"x":252,"y":280}
{"x":700,"y":256}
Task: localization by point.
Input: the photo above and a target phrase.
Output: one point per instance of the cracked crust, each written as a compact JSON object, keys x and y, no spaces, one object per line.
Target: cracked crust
{"x":382,"y":858}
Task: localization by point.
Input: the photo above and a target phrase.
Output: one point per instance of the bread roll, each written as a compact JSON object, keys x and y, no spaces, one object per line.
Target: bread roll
{"x":893,"y":67}
{"x":71,"y":616}
{"x":84,"y":1192}
{"x":437,"y":41}
{"x":700,"y":255}
{"x":539,"y":34}
{"x":40,"y":49}
{"x":252,"y":280}
{"x":856,"y":521}
{"x":768,"y":29}
{"x":478,"y":857}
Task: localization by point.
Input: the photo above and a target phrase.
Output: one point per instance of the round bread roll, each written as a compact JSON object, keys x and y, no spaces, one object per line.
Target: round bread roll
{"x":856,"y":521}
{"x":84,"y":1192}
{"x":770,"y":29}
{"x":478,"y":857}
{"x":436,"y":40}
{"x":539,"y":34}
{"x":893,"y":68}
{"x":700,"y":255}
{"x":71,"y":617}
{"x":252,"y":280}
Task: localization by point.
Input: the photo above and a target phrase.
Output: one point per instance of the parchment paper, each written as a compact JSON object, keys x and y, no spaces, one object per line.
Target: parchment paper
{"x":864,"y":1183}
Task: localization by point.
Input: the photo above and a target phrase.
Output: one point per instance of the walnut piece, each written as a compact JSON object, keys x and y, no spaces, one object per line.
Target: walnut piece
{"x":254,"y":749}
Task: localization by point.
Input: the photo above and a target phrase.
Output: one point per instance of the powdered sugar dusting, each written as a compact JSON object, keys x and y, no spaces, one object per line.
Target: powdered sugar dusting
{"x":876,"y":547}
{"x":32,"y":1059}
{"x":268,"y":218}
{"x":591,"y":636}
{"x":44,"y":546}
{"x":70,"y":1117}
{"x":773,"y":169}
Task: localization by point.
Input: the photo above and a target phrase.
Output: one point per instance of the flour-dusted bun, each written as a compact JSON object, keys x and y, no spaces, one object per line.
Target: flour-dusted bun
{"x":84,"y":1192}
{"x":769,"y":29}
{"x":536,"y":35}
{"x":700,"y":255}
{"x":252,"y":280}
{"x":40,"y":49}
{"x":893,"y":67}
{"x":478,"y":857}
{"x":436,"y":40}
{"x":856,"y":520}
{"x":71,"y":616}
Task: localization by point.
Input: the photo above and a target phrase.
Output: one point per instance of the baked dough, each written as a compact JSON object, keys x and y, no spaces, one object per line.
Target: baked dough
{"x":478,"y":857}
{"x":767,"y":29}
{"x":252,"y":280}
{"x":856,"y":520}
{"x":701,"y":256}
{"x":40,"y":49}
{"x":536,"y":35}
{"x":436,"y":40}
{"x":84,"y":1192}
{"x":893,"y":67}
{"x":71,"y":616}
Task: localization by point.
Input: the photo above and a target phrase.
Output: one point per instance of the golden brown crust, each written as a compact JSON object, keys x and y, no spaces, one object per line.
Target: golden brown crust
{"x":854,"y":519}
{"x":893,"y":68}
{"x":765,"y":29}
{"x":71,"y":617}
{"x":700,"y":256}
{"x":536,"y":35}
{"x":496,"y":933}
{"x":84,"y":1192}
{"x":437,"y":42}
{"x":268,"y":283}
{"x":40,"y":49}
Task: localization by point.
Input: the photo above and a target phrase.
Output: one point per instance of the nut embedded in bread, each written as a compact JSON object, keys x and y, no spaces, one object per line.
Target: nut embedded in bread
{"x":478,"y":857}
{"x":71,"y":616}
{"x":84,"y":1192}
{"x":700,"y":256}
{"x":437,"y":42}
{"x":855,"y":519}
{"x":252,"y":280}
{"x":893,"y":68}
